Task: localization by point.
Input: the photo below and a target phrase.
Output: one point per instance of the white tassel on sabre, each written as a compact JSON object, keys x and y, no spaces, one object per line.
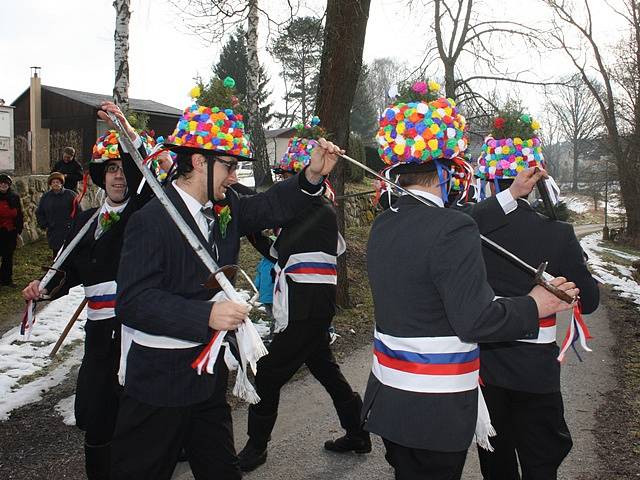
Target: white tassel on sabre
{"x":484,"y":429}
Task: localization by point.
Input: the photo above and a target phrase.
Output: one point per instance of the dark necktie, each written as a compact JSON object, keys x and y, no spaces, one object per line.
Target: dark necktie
{"x":211,"y":220}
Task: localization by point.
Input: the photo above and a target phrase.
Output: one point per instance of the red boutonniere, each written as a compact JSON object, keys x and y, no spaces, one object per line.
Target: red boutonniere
{"x":224,"y":217}
{"x":107,"y":219}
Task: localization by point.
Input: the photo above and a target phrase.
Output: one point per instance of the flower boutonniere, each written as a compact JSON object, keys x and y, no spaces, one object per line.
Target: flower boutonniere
{"x":224,"y":217}
{"x":108,"y":219}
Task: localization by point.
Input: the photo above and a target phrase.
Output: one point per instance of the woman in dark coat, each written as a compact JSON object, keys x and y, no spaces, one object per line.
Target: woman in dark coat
{"x":11,"y":222}
{"x":54,"y":211}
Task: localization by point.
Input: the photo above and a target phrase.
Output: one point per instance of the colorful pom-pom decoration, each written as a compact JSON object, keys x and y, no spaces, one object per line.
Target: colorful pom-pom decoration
{"x":513,"y":146}
{"x":215,"y":129}
{"x":107,"y":148}
{"x":418,"y":131}
{"x":195,"y":92}
{"x":298,"y":153}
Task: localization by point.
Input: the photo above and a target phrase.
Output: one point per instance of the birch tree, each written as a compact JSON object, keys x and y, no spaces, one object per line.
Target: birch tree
{"x":121,"y":54}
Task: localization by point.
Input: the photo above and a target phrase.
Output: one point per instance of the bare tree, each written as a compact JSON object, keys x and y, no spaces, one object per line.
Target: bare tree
{"x":383,"y":73}
{"x":344,"y":33}
{"x":623,"y":142}
{"x":578,"y":118}
{"x":211,"y":20}
{"x":551,"y":138}
{"x":121,"y":54}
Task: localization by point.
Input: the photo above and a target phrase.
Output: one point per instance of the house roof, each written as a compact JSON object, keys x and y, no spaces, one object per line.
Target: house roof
{"x":94,"y":99}
{"x":279,"y":132}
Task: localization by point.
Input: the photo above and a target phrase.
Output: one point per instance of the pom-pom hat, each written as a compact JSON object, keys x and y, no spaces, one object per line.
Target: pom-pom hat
{"x":419,"y":129}
{"x":216,"y":130}
{"x":512,"y":147}
{"x":298,"y":154}
{"x":107,"y":148}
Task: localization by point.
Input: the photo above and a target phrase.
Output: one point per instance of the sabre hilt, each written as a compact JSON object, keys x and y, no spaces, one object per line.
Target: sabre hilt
{"x":540,"y":280}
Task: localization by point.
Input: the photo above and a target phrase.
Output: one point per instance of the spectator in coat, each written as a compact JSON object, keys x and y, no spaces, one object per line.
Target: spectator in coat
{"x":70,"y":168}
{"x":54,"y":211}
{"x":11,"y":222}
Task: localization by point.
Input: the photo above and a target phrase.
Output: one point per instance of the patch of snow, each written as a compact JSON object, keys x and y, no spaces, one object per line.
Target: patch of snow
{"x":33,"y":391}
{"x":577,"y":204}
{"x":20,"y":358}
{"x":623,"y":282}
{"x":65,"y":409}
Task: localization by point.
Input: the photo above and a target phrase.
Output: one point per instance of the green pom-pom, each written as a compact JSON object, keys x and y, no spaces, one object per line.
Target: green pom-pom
{"x":229,"y":82}
{"x":525,"y":118}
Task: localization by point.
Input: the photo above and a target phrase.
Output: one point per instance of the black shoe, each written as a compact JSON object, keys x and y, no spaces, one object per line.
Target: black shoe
{"x":360,"y":443}
{"x":251,"y":457}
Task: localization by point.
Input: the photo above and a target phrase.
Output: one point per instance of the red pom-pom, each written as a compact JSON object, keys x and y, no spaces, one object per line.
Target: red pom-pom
{"x":499,"y":123}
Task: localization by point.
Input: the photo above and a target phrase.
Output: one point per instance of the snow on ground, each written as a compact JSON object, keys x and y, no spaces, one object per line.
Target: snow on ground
{"x":578,"y":204}
{"x":20,"y":358}
{"x":618,"y":276}
{"x":64,"y":408}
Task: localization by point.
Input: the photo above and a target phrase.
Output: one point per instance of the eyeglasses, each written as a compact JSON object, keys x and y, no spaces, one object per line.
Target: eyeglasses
{"x":114,"y":168}
{"x":231,"y":166}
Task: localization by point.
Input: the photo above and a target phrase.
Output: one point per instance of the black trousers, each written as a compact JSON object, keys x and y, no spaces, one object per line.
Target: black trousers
{"x":530,"y":425}
{"x":148,"y":439}
{"x":301,"y":343}
{"x":97,"y":390}
{"x":418,"y":464}
{"x":8,"y":241}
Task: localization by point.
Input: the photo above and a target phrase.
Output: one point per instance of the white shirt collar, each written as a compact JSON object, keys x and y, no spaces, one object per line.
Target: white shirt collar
{"x":193,"y":205}
{"x":109,"y":208}
{"x":429,"y":196}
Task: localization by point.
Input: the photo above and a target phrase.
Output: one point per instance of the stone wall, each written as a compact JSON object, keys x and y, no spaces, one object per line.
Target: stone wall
{"x":359,"y":211}
{"x":31,"y":188}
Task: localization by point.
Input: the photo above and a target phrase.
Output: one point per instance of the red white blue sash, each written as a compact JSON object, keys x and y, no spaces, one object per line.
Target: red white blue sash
{"x":310,"y":267}
{"x":547,"y":332}
{"x":576,"y":332}
{"x":101,"y":300}
{"x":426,"y":364}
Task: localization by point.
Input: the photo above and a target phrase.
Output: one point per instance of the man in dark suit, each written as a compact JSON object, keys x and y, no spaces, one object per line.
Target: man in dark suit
{"x":161,"y":297}
{"x":433,"y":303}
{"x":522,"y":378}
{"x":94,"y":264}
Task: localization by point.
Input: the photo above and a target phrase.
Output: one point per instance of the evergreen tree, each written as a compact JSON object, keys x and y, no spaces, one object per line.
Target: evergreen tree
{"x":299,"y":50}
{"x":233,"y":63}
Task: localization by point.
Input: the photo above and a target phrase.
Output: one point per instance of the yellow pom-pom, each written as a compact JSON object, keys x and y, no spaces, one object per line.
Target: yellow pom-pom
{"x":434,"y":86}
{"x":194,"y":92}
{"x":535,"y":125}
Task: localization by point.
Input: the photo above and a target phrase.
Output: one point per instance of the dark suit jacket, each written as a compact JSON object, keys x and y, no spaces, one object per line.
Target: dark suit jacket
{"x":534,"y":238}
{"x":161,"y":291}
{"x":72,"y":172}
{"x":428,"y":279}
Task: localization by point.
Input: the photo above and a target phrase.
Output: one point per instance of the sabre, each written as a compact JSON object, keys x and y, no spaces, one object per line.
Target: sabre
{"x":217,"y":278}
{"x":541,"y":277}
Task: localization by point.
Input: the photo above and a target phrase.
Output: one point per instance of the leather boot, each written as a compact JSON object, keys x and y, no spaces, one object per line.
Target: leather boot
{"x":259,"y":429}
{"x":356,"y":439}
{"x":97,"y":461}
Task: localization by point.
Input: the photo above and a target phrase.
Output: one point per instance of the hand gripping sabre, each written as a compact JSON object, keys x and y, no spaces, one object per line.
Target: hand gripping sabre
{"x":251,"y":347}
{"x":541,"y":277}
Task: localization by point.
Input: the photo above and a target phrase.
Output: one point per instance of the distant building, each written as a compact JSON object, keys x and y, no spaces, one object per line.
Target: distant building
{"x":7,"y":160}
{"x":277,"y":141}
{"x":69,"y":118}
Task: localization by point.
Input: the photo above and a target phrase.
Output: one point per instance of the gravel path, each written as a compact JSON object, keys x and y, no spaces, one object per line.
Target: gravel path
{"x":307,"y":419}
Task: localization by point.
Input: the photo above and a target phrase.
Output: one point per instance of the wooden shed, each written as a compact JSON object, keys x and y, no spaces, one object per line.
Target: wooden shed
{"x":71,"y":118}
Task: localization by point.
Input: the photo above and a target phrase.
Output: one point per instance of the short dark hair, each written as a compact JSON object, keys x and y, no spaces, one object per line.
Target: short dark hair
{"x":426,"y":179}
{"x":69,"y":151}
{"x":184,"y":164}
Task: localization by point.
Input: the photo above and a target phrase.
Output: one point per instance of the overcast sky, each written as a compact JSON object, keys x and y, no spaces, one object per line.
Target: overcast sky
{"x":72,"y":40}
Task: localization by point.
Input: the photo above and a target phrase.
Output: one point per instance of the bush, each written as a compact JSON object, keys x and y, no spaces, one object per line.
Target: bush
{"x":562,"y":211}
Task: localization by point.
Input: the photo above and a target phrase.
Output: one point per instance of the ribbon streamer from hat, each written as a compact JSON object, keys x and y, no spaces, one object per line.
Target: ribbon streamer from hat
{"x":577,"y":331}
{"x":252,"y":348}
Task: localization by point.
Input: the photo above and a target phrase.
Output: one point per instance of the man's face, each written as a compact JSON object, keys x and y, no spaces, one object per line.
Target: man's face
{"x":115,"y":182}
{"x":56,"y":185}
{"x":224,"y":174}
{"x":4,"y":187}
{"x":66,"y":158}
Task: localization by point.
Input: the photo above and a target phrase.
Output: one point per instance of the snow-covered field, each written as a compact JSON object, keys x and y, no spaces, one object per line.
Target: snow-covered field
{"x":614,"y":274}
{"x":25,"y":366}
